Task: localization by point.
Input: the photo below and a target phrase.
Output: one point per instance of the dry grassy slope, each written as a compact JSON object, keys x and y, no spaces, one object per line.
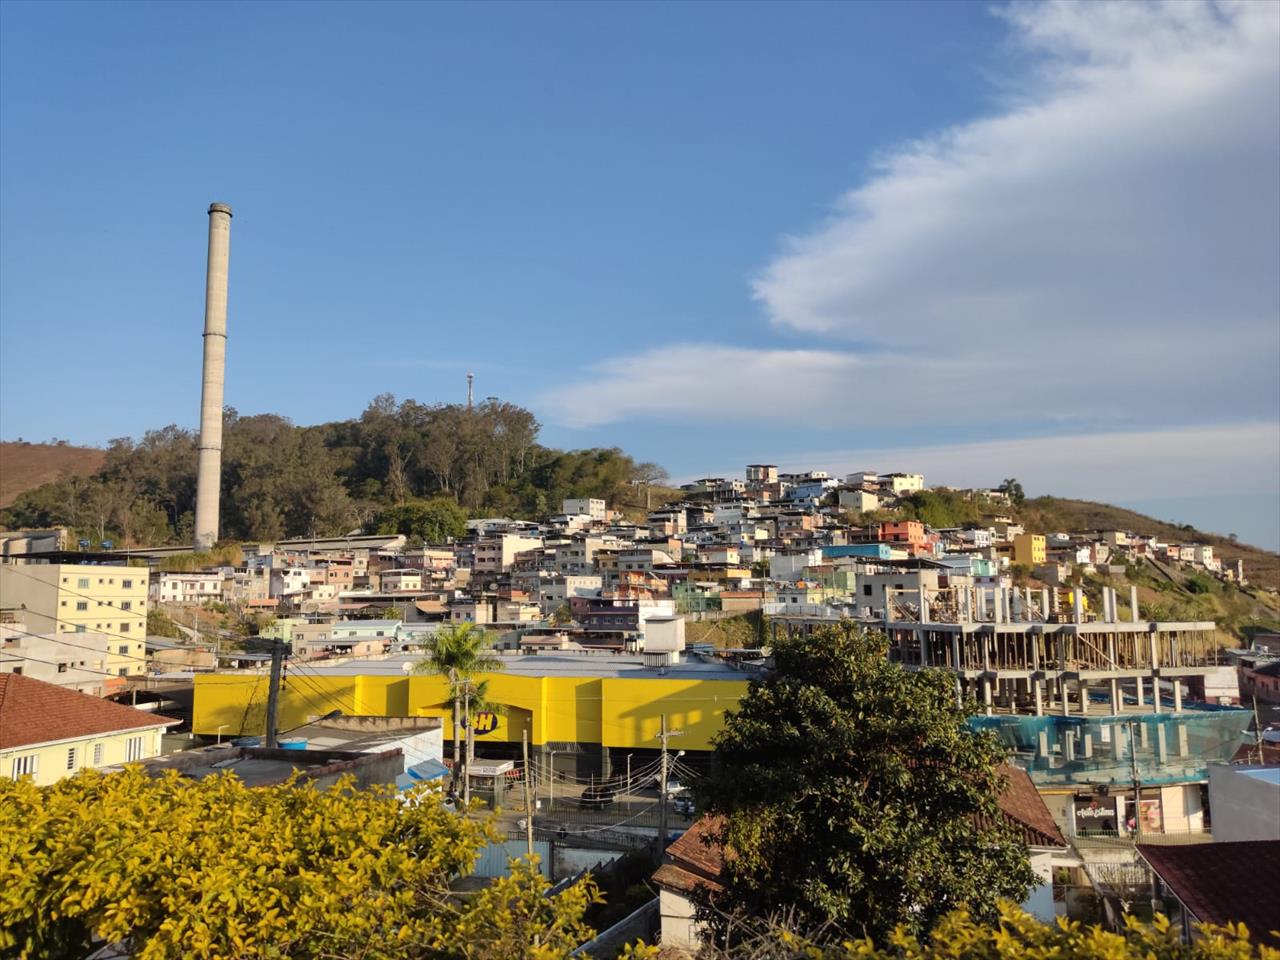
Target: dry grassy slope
{"x":24,"y":466}
{"x":1052,"y":514}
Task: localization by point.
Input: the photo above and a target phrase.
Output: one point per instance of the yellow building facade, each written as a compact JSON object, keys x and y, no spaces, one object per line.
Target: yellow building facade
{"x":1029,"y":549}
{"x":46,"y":763}
{"x":69,"y":598}
{"x":614,"y":712}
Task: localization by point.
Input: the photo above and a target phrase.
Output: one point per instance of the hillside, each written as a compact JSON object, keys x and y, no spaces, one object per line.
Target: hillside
{"x":25,"y":466}
{"x":1052,"y":514}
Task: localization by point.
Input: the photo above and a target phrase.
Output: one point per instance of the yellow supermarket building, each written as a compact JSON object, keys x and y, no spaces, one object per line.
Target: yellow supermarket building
{"x":596,"y":706}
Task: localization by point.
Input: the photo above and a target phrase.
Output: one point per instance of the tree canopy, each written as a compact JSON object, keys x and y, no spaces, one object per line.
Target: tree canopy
{"x":177,"y":868}
{"x":281,"y":480}
{"x":853,"y":794}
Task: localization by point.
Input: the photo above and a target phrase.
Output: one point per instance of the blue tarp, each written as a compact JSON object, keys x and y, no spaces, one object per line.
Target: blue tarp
{"x":423,"y":772}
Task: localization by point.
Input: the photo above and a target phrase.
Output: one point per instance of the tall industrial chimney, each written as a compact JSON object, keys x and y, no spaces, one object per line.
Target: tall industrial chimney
{"x":209,"y":467}
{"x":471,"y":377}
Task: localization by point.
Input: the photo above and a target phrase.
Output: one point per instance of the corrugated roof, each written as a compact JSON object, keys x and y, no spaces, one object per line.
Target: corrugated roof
{"x":33,"y":712}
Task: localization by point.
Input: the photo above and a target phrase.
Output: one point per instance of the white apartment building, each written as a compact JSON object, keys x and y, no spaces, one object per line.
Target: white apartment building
{"x":185,"y":587}
{"x":585,"y":506}
{"x":401,"y":581}
{"x":82,"y":667}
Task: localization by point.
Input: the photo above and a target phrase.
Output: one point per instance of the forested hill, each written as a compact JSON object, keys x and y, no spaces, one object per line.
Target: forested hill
{"x":281,"y":480}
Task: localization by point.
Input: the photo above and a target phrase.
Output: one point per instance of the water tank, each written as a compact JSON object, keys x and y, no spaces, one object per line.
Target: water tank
{"x":293,"y":743}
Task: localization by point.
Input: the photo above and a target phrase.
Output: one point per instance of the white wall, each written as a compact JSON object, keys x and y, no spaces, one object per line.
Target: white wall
{"x":1244,"y":802}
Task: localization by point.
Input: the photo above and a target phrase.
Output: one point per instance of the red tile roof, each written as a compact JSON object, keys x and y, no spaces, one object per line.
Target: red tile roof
{"x":1024,"y":809}
{"x":1236,"y":882}
{"x":32,"y":712}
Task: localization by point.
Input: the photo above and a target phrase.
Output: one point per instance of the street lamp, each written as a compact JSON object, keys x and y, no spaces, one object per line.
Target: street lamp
{"x":551,"y":783}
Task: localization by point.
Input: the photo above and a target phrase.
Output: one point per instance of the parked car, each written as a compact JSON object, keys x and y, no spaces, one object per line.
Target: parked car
{"x":674,"y":786}
{"x":683,"y":805}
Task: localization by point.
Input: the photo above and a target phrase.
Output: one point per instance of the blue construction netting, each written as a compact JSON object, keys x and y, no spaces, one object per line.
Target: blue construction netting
{"x":1167,"y":747}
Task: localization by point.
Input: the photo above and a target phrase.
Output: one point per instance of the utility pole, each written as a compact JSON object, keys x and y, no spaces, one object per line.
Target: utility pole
{"x":662,"y":785}
{"x":528,"y":802}
{"x":273,"y":695}
{"x":662,"y":792}
{"x":1137,"y":783}
{"x":1257,"y":728}
{"x":466,"y":749}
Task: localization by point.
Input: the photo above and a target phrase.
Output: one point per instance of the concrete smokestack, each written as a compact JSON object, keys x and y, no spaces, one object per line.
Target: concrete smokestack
{"x":209,"y":467}
{"x":471,"y":378}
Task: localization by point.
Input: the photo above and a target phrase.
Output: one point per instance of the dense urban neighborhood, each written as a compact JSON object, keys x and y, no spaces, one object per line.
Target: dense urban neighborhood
{"x":610,"y":648}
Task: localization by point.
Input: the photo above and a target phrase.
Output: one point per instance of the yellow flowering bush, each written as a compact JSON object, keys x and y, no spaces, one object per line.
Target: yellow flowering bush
{"x":174,"y":868}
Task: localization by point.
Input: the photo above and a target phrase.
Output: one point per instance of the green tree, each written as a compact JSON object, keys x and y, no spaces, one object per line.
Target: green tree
{"x":259,"y":872}
{"x":853,"y":793}
{"x":1011,"y":487}
{"x":433,"y":520}
{"x":461,"y":651}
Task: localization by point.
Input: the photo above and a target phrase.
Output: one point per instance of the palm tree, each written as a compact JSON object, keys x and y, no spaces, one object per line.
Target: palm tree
{"x":459,"y":652}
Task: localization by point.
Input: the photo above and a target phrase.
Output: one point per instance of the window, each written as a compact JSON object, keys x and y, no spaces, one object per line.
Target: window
{"x":82,"y":604}
{"x":866,"y":590}
{"x":80,"y":628}
{"x":122,"y":671}
{"x":62,"y":603}
{"x":83,"y":583}
{"x":123,"y":648}
{"x":17,"y":670}
{"x":127,"y":584}
{"x":126,"y":605}
{"x":62,"y":668}
{"x":133,"y":749}
{"x":71,"y":758}
{"x":124,"y":628}
{"x":97,"y":754}
{"x":25,"y":766}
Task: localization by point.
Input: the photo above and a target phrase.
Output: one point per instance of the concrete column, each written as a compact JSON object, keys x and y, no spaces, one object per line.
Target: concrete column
{"x":1116,"y":704}
{"x":1043,"y":744}
{"x":209,"y":463}
{"x":1077,"y":611}
{"x":986,"y":694}
{"x":1183,"y":746}
{"x":955,"y":651}
{"x":1087,"y":745}
{"x":1177,"y":696}
{"x":1083,"y":689}
{"x":1133,"y":605}
{"x":1038,"y":692}
{"x":1069,"y":745}
{"x":1140,"y":697}
{"x":1162,"y":748}
{"x":1144,"y":736}
{"x":924,"y":613}
{"x":1064,"y":692}
{"x":1044,"y":603}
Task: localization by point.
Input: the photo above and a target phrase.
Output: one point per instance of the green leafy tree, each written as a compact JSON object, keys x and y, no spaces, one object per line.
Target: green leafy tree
{"x":460,"y":652}
{"x":173,"y":868}
{"x":433,"y":521}
{"x":854,"y":794}
{"x":1013,"y":489}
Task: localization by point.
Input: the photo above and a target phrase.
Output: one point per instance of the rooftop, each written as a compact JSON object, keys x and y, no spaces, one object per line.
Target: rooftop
{"x":1224,"y":882}
{"x":34,"y":712}
{"x":551,"y":665}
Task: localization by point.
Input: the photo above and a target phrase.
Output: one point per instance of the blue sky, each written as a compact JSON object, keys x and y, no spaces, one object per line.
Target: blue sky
{"x":1029,"y":240}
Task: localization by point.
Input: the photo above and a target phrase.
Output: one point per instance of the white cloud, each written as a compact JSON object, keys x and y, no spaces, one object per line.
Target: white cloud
{"x":1102,"y":252}
{"x":1118,"y":226}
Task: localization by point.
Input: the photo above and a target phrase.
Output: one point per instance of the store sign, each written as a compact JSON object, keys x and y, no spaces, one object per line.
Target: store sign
{"x":1094,"y":814}
{"x":485,"y":722}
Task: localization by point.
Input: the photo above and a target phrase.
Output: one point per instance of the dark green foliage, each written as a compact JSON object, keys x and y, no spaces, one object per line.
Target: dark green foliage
{"x":281,"y":480}
{"x":856,"y":796}
{"x":942,"y":508}
{"x":432,"y":521}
